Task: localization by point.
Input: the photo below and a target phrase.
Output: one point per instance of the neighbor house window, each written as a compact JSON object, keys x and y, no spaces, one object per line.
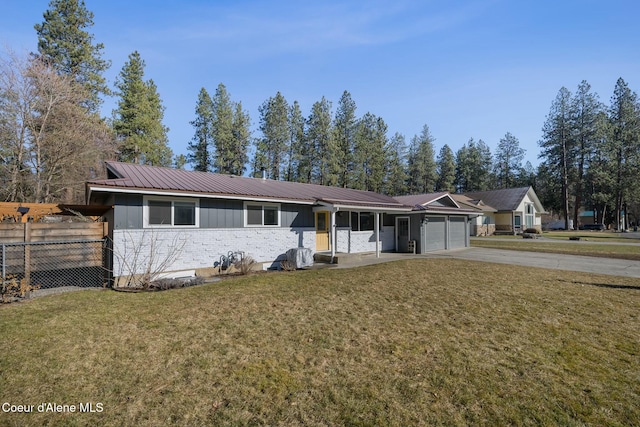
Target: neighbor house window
{"x":262,"y":214}
{"x":167,"y":212}
{"x":529,"y":215}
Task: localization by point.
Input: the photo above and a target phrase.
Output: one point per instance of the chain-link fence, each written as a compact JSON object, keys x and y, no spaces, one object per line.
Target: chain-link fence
{"x":48,"y":265}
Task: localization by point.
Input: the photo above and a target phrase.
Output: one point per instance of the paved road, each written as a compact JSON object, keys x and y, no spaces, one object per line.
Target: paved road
{"x":610,"y":266}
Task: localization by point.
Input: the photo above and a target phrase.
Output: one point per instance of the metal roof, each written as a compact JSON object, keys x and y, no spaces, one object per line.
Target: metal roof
{"x":145,"y":179}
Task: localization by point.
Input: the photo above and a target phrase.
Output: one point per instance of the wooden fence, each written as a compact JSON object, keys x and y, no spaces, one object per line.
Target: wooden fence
{"x":42,"y":232}
{"x":51,"y":253}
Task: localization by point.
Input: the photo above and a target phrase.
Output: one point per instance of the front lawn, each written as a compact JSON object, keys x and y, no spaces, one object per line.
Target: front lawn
{"x":631,"y":252}
{"x":413,"y":342}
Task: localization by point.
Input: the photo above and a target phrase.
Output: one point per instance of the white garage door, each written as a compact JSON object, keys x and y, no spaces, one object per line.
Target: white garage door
{"x":436,"y":233}
{"x":457,"y":232}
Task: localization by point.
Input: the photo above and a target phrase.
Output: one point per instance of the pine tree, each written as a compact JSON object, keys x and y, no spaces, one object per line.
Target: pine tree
{"x":344,"y":129}
{"x":138,"y":118}
{"x":421,"y":163}
{"x":201,"y":145}
{"x":558,"y":145}
{"x":587,"y":128}
{"x":64,"y":44}
{"x":241,"y":130}
{"x":320,"y":142}
{"x":473,"y":167}
{"x":273,"y":146}
{"x":509,"y":157}
{"x":396,"y":179}
{"x":370,"y":153}
{"x":298,"y":168}
{"x":624,"y":145}
{"x":446,"y":169}
{"x":222,"y":129}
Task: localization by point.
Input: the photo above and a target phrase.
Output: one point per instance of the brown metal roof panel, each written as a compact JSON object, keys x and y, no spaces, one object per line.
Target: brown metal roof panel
{"x":156,"y":178}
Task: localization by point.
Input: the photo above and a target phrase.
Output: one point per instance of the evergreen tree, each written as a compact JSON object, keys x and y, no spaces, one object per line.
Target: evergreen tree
{"x":179,"y":161}
{"x":65,"y":44}
{"x":344,"y":129}
{"x":299,"y":168}
{"x":241,"y":131}
{"x":599,"y":179}
{"x":320,"y":142}
{"x":201,"y":145}
{"x":396,"y":180}
{"x":624,"y":145}
{"x":586,"y":128}
{"x":509,"y":157}
{"x":272,"y":148}
{"x":138,"y":118}
{"x":526,"y":176}
{"x":558,"y":145}
{"x":370,"y":153}
{"x":473,"y":167}
{"x":446,"y":169}
{"x":421,"y":163}
{"x":549,"y":188}
{"x":222,"y":127}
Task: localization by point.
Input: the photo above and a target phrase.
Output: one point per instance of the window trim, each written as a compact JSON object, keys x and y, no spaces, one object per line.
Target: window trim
{"x":245,"y":211}
{"x":173,"y":200}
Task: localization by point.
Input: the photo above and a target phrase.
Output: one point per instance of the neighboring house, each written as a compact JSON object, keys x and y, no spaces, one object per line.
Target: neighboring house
{"x":436,"y":222}
{"x":485,"y":223}
{"x":208,"y":215}
{"x":516,"y":209}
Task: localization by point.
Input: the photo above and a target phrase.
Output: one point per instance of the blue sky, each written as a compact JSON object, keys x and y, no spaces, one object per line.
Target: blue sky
{"x":465,"y":68}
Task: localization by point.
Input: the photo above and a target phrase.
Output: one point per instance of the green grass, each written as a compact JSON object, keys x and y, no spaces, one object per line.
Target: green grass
{"x":595,"y":236}
{"x":415,"y":342}
{"x":629,"y":252}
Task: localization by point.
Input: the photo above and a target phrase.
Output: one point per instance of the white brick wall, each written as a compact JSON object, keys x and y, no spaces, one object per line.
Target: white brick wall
{"x":200,"y":248}
{"x":364,"y":241}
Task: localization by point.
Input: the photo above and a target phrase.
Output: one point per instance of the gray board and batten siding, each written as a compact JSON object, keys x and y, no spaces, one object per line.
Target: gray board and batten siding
{"x":214,"y":213}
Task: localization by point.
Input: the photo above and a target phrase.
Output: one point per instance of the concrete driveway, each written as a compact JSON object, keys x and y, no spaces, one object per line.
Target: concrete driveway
{"x":586,"y":264}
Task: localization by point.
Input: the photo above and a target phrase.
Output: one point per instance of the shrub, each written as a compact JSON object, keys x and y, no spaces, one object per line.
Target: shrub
{"x":532,"y":231}
{"x":287,"y":265}
{"x":13,"y":289}
{"x":245,"y":265}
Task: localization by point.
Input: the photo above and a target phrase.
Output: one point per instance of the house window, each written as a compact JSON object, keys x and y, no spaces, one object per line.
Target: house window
{"x":529,"y":214}
{"x":517,"y":221}
{"x":167,"y":212}
{"x":262,"y":214}
{"x":364,"y":221}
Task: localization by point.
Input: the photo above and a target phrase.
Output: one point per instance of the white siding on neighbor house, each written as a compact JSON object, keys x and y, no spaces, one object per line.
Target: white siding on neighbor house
{"x":203,"y":247}
{"x":537,"y":219}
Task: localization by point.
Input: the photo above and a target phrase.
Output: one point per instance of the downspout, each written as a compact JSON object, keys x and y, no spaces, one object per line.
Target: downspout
{"x":377,"y":227}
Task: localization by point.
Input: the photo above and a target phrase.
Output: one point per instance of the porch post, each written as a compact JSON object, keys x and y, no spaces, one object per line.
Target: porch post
{"x":332,"y":235}
{"x":377,"y":227}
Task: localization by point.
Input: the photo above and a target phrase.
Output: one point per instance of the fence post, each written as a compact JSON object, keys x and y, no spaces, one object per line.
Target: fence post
{"x":4,"y":262}
{"x":27,"y":254}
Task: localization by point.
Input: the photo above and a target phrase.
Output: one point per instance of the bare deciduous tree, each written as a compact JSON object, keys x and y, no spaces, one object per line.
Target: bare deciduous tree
{"x":50,"y":144}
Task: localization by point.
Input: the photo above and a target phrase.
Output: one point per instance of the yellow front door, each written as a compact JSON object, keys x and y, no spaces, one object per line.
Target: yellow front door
{"x":322,"y":231}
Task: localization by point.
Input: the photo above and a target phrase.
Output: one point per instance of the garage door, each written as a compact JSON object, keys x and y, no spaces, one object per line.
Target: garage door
{"x":436,"y":235}
{"x":457,"y":232}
